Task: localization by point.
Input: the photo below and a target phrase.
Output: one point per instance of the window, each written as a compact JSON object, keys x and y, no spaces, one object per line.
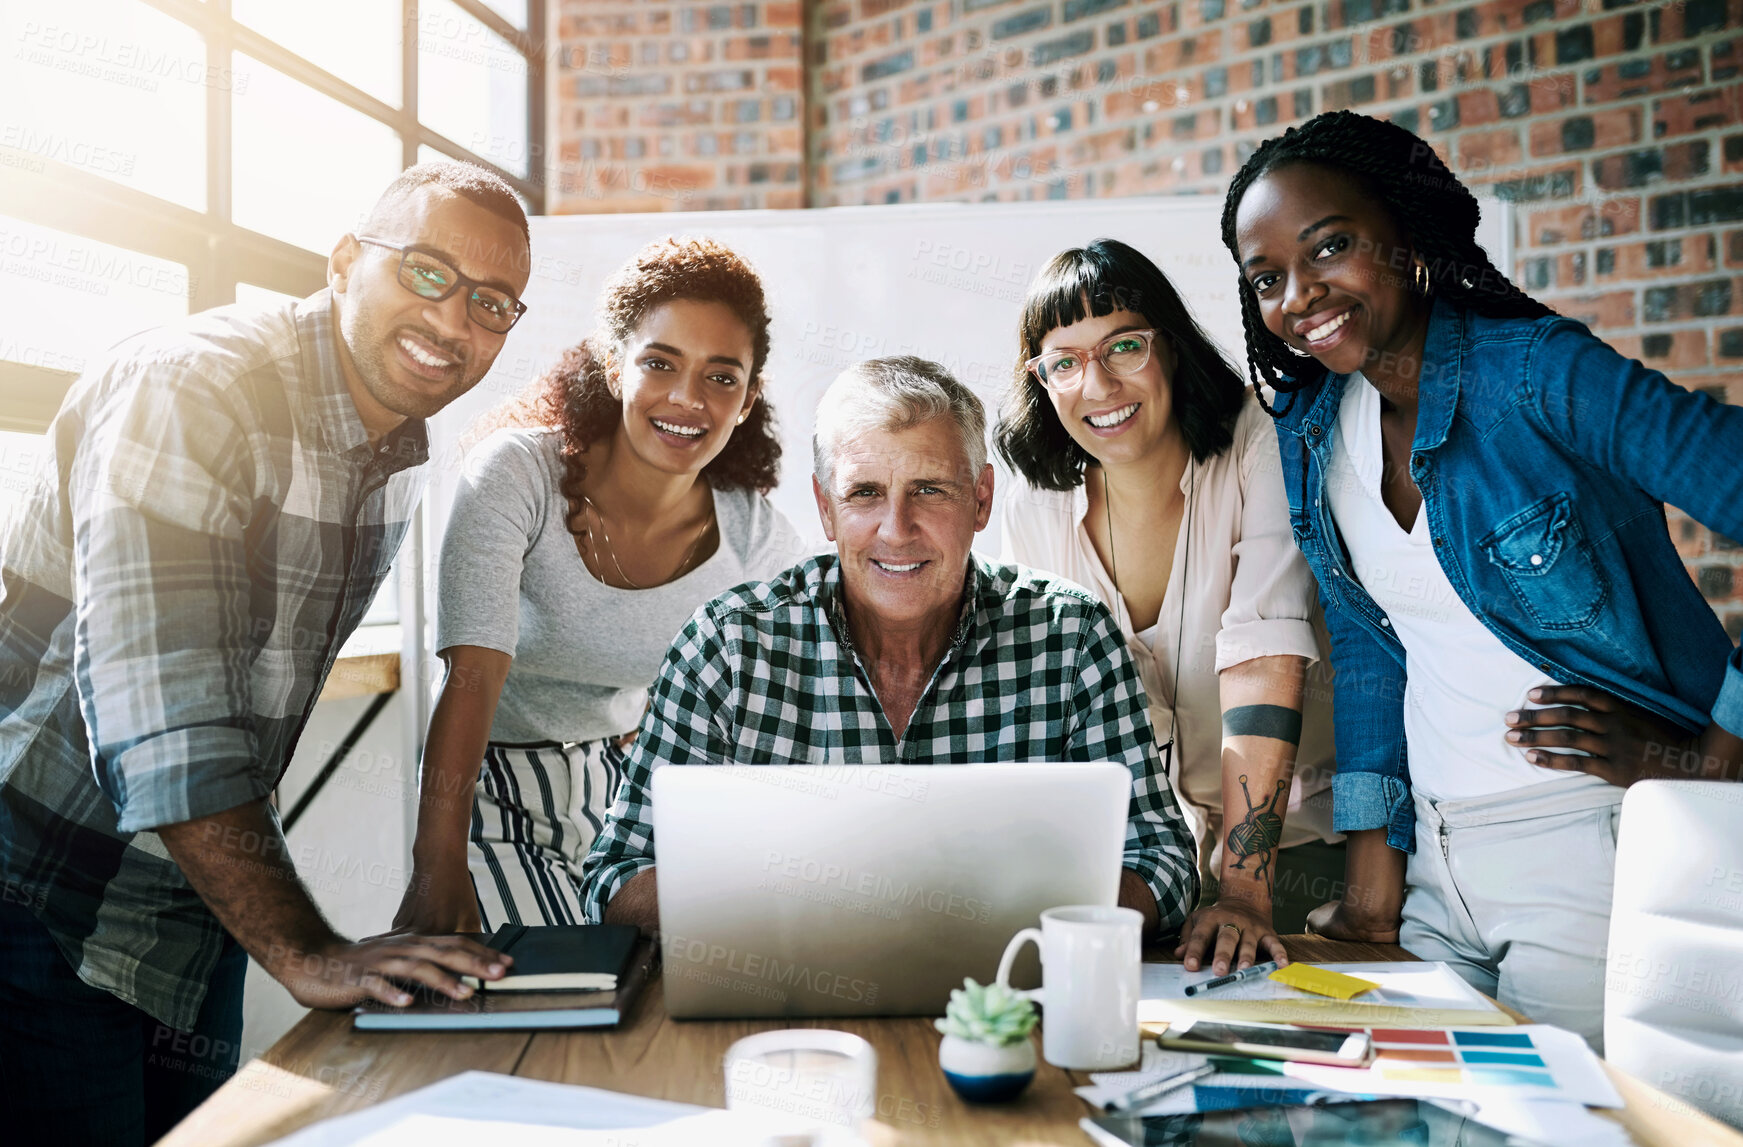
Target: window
{"x":110,"y":88}
{"x":184,"y":154}
{"x":281,"y":167}
{"x":67,"y":297}
{"x":366,"y":51}
{"x":472,"y":84}
{"x":514,"y":11}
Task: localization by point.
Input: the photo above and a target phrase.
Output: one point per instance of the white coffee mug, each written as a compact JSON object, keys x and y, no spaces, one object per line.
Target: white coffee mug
{"x":1090,"y":968}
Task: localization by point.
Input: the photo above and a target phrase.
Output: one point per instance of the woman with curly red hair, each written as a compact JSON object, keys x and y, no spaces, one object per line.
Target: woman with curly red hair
{"x":626,"y":488}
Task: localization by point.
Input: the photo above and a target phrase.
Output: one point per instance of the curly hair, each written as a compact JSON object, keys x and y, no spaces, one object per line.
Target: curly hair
{"x":580,"y":397}
{"x":1436,"y":214}
{"x":1099,"y":279}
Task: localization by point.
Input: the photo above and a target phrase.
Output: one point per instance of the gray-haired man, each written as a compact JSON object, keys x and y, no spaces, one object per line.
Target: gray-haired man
{"x":899,"y":648}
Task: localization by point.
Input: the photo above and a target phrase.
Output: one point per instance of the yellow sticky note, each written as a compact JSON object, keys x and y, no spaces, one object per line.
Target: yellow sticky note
{"x":1322,"y":982}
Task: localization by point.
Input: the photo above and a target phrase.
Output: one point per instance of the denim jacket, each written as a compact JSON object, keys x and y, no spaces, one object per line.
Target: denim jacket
{"x":1544,"y":458}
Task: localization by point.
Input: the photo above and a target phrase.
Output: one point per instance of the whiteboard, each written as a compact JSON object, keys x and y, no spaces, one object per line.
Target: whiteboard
{"x":943,"y":281}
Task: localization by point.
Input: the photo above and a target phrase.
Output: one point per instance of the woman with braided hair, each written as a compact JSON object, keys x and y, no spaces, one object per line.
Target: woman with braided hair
{"x":1478,"y":485}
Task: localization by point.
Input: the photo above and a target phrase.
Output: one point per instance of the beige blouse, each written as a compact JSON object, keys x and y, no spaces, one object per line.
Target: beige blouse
{"x":1247,"y":592}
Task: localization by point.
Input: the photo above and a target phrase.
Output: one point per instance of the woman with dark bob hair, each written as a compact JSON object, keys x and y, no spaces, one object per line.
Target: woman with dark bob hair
{"x":625,"y":489}
{"x":1151,"y":482}
{"x":1478,"y":484}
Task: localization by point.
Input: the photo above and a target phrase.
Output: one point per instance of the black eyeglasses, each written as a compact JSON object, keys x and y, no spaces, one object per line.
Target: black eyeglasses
{"x":434,"y":278}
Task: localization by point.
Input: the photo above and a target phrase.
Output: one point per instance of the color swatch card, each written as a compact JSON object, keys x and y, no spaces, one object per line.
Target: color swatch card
{"x":1533,"y":1063}
{"x":1531,"y":1059}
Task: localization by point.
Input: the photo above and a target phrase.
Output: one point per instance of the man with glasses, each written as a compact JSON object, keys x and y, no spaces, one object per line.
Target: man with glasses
{"x":220,"y":503}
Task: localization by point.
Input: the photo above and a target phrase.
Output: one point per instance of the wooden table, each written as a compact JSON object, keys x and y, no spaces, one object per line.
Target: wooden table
{"x":322,"y":1068}
{"x":368,"y":664}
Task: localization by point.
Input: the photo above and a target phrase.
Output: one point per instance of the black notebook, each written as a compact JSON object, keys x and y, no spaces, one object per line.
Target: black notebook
{"x":517,"y":1010}
{"x":560,"y":957}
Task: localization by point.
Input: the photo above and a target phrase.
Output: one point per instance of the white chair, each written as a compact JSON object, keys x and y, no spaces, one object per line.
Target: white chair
{"x":1673,"y":993}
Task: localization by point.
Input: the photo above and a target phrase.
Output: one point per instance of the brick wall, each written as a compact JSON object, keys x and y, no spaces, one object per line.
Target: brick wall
{"x":1616,"y":128}
{"x":661,"y":106}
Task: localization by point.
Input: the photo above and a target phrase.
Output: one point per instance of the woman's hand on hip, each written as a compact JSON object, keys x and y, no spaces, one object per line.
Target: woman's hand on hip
{"x":1623,"y":742}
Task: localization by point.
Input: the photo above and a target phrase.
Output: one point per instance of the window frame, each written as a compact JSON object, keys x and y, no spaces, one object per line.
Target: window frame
{"x":217,"y":253}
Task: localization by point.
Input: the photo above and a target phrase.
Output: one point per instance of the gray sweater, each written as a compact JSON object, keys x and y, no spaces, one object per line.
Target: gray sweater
{"x":512,"y":580}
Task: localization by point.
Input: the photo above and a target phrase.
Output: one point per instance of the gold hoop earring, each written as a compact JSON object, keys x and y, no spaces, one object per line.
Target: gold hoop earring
{"x":1420,"y":278}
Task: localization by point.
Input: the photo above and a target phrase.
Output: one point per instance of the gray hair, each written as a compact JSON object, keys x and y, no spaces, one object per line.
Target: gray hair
{"x":895,"y":394}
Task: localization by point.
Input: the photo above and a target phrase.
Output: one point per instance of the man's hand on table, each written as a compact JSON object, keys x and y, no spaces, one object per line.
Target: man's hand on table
{"x":238,"y":862}
{"x":343,"y":973}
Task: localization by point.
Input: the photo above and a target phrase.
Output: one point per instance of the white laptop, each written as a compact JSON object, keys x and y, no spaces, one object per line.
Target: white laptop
{"x":868,"y":890}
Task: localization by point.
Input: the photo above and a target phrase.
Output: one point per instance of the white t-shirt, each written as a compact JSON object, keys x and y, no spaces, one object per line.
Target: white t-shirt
{"x":1462,"y":681}
{"x":1250,"y":595}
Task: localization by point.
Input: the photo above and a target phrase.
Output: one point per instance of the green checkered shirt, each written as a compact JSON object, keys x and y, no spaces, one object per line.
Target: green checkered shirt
{"x":765,"y":674}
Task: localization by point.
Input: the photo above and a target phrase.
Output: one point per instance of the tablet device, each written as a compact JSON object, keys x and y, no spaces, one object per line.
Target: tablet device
{"x":1361,"y":1124}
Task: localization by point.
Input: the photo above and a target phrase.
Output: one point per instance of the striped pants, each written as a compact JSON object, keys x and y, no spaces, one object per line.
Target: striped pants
{"x":535,"y":813}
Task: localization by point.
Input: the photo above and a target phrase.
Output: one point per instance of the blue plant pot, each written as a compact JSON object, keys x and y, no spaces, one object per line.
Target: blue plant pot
{"x":983,"y":1073}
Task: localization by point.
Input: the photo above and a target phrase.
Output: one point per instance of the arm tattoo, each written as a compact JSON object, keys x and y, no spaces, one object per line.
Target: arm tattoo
{"x":1259,"y":831}
{"x":1277,"y":722}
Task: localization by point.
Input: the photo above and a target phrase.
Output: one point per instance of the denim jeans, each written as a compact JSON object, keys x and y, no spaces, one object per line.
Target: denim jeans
{"x":81,"y":1066}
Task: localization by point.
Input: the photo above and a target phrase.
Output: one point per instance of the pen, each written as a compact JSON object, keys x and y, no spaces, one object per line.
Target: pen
{"x":1139,"y":1096}
{"x":1255,"y":971}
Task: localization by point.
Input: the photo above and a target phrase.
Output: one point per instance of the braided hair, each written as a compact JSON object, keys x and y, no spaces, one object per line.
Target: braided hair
{"x":1434,"y":211}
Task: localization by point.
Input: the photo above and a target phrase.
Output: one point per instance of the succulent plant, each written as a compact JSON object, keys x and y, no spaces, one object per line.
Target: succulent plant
{"x":990,"y":1014}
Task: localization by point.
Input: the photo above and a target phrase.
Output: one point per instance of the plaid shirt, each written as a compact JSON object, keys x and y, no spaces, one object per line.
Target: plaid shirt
{"x":765,"y":673}
{"x":208,"y":527}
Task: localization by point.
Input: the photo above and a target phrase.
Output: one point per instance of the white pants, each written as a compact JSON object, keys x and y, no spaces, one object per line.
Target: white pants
{"x":1513,"y":891}
{"x":535,"y":813}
